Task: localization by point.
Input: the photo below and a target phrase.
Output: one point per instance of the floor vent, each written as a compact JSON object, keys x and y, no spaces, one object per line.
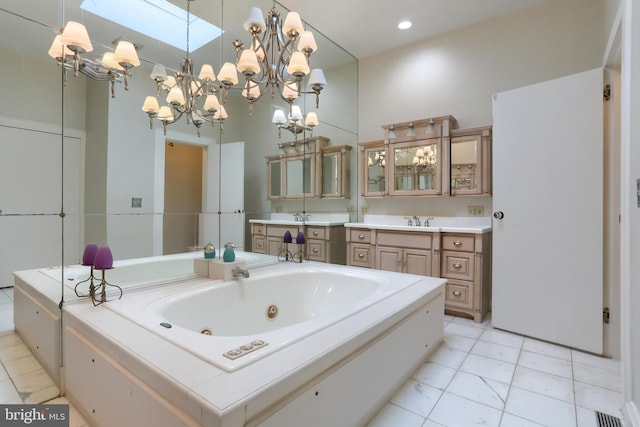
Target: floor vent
{"x":606,"y":420}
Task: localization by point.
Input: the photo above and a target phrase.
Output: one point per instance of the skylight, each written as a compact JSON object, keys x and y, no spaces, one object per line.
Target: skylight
{"x":158,"y":19}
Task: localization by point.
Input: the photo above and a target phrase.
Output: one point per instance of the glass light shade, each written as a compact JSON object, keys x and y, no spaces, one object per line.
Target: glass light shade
{"x":292,"y":23}
{"x":108,"y":60}
{"x":206,"y":73}
{"x":221,"y":114}
{"x":316,"y":78}
{"x":287,"y":238}
{"x":76,"y":38}
{"x":196,"y":90}
{"x":420,"y":152}
{"x":228,"y":74}
{"x":300,"y":238}
{"x":175,"y":96}
{"x":159,"y":72}
{"x":255,"y":19}
{"x":254,"y":92}
{"x":296,"y":113}
{"x":298,"y":64}
{"x":55,"y":51}
{"x":103,"y":259}
{"x":415,"y":160}
{"x":279,"y":118}
{"x":307,"y":41}
{"x":165,"y":114}
{"x":150,"y":105}
{"x":392,"y":132}
{"x":430,"y":128}
{"x":211,"y":104}
{"x":169,"y":83}
{"x":411,"y":130}
{"x":126,"y":54}
{"x":312,"y":119}
{"x":290,"y":91}
{"x":248,"y":62}
{"x":89,"y":254}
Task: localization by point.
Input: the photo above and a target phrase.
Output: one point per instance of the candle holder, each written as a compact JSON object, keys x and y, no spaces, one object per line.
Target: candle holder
{"x":103,"y":261}
{"x":299,"y":256}
{"x":87,"y":259}
{"x":285,"y":254}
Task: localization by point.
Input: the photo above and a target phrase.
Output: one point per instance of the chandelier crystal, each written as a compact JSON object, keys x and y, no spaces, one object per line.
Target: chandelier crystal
{"x":184,"y":91}
{"x":273,"y":60}
{"x":74,"y":41}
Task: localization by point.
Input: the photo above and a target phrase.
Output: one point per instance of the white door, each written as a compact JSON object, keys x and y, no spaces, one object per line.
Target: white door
{"x":232,"y":194}
{"x":548,"y":184}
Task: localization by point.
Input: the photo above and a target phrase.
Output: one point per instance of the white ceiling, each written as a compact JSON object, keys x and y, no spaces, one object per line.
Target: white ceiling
{"x":365,"y":27}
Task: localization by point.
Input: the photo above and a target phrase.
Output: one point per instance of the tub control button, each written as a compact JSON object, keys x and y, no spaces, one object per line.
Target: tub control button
{"x":234,"y":352}
{"x":246,"y":347}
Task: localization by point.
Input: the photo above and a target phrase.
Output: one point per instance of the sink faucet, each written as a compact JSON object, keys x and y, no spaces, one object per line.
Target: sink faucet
{"x":426,"y":221}
{"x":416,"y":220}
{"x":408,"y":220}
{"x":238,"y":272}
{"x":297,"y":217}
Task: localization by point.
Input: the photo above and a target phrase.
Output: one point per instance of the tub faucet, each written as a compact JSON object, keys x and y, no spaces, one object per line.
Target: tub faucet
{"x":238,"y":272}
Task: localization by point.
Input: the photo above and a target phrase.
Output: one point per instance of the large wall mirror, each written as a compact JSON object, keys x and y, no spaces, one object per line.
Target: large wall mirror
{"x":118,"y":182}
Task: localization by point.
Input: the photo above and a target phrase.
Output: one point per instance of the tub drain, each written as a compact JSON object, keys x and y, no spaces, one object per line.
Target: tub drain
{"x":272,"y":312}
{"x":206,"y":332}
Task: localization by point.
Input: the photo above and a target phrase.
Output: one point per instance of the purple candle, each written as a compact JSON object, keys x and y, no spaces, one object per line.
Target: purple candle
{"x":287,"y":237}
{"x":104,"y":258}
{"x":89,"y":254}
{"x":300,"y":238}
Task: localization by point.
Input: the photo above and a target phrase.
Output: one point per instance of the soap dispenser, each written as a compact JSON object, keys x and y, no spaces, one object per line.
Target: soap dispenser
{"x":209,"y":251}
{"x":229,"y":255}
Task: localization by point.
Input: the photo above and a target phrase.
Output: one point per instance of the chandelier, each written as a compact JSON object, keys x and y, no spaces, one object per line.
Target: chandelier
{"x":273,"y":60}
{"x":293,"y":122}
{"x":114,"y":66}
{"x":184,"y":91}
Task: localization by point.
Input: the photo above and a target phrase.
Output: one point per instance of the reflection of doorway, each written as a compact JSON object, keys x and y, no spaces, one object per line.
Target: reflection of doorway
{"x":182,"y":196}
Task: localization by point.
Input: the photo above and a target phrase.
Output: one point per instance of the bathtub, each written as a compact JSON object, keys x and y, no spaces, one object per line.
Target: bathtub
{"x":340,"y":342}
{"x":37,"y":294}
{"x":232,"y":324}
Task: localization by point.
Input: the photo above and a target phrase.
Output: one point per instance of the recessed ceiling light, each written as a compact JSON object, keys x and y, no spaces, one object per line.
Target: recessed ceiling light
{"x":403,"y":25}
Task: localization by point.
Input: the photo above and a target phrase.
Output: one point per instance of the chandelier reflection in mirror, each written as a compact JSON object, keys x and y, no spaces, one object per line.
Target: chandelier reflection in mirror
{"x":74,"y":41}
{"x":184,"y":91}
{"x":272,"y":60}
{"x":426,"y":157}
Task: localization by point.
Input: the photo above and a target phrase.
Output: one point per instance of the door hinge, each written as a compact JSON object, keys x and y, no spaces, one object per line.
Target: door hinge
{"x":606,"y":92}
{"x":606,"y":315}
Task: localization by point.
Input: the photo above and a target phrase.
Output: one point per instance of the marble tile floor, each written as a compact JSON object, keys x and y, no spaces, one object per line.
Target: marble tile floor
{"x":478,"y":376}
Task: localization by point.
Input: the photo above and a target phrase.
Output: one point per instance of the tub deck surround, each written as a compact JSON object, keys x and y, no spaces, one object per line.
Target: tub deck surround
{"x":186,"y":387}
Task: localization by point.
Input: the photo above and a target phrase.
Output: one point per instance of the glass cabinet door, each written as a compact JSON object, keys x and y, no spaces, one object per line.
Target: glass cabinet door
{"x":416,"y":168}
{"x":298,"y":177}
{"x":274,"y":180}
{"x":470,"y":171}
{"x":374,"y":169}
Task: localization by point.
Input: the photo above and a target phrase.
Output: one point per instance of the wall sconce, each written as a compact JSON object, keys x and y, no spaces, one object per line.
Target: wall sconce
{"x":411,"y":132}
{"x":392,"y":132}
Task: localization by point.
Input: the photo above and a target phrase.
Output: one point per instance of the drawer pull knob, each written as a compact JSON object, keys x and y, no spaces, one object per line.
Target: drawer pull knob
{"x":315,"y":233}
{"x":315,"y":250}
{"x":457,"y":243}
{"x":360,"y":236}
{"x":457,"y":293}
{"x":260,"y":244}
{"x":360,"y":255}
{"x":457,"y":265}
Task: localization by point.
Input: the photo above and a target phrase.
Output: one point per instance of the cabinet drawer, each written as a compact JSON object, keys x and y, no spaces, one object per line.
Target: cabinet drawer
{"x":259,"y":229}
{"x":459,"y":294}
{"x":458,"y":242}
{"x":279,"y":230}
{"x":258,"y":244}
{"x":359,"y":235}
{"x":360,"y":255}
{"x":457,"y":265}
{"x":414,"y":239}
{"x":316,"y":250}
{"x":316,"y":233}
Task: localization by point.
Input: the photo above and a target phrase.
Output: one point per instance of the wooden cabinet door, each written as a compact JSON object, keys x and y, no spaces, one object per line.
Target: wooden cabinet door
{"x":417,"y":261}
{"x":389,"y":259}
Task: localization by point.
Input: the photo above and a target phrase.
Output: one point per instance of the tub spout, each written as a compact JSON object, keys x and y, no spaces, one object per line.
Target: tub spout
{"x":237,"y":272}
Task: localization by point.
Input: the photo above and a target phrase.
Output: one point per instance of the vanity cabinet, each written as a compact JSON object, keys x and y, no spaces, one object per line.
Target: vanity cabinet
{"x":464,"y":259}
{"x":466,"y":264}
{"x":322,"y":243}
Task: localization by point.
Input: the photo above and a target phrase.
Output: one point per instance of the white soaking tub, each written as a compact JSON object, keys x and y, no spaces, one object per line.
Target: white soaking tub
{"x":341,"y":340}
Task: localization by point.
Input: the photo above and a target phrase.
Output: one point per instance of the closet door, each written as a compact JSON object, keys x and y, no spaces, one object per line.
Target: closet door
{"x":548,"y":211}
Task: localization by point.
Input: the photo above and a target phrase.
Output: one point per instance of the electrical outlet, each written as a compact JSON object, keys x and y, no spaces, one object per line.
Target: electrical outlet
{"x":364,"y":209}
{"x":351,"y":209}
{"x":475,"y":210}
